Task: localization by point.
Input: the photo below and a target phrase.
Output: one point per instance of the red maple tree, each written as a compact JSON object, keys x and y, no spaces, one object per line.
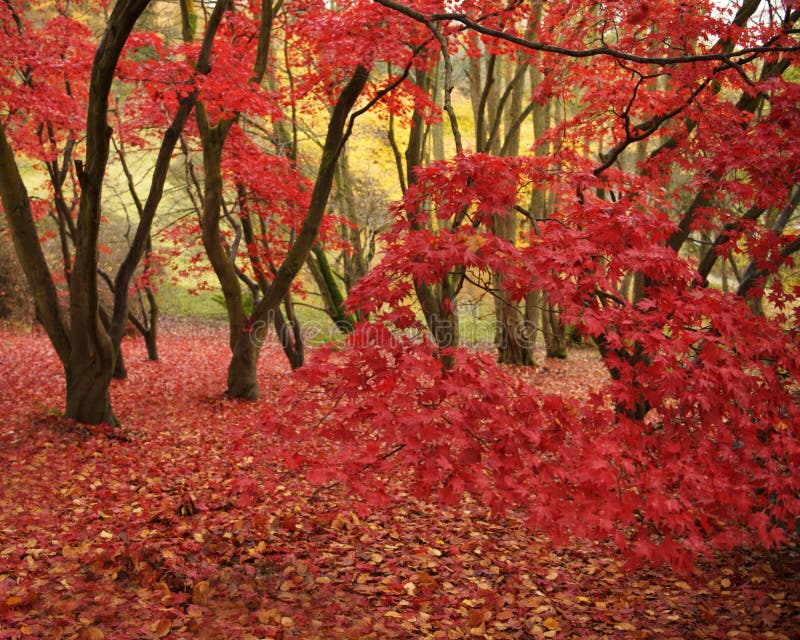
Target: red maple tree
{"x":681,"y":134}
{"x":693,"y":442}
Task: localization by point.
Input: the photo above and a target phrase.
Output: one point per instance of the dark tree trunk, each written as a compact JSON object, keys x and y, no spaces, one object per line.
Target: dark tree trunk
{"x":242,"y":381}
{"x":242,"y":370}
{"x":290,"y":334}
{"x":14,"y":296}
{"x":120,"y":370}
{"x":556,"y":336}
{"x":437,"y":301}
{"x":514,"y":345}
{"x":87,"y":392}
{"x":147,"y":325}
{"x":151,"y":342}
{"x":442,"y":320}
{"x":510,"y":337}
{"x":332,"y":296}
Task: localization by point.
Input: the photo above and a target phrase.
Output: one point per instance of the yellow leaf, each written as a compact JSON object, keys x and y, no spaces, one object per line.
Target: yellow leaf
{"x":301,"y":567}
{"x":92,"y":633}
{"x":392,"y":614}
{"x":106,"y":535}
{"x":625,"y":626}
{"x":474,"y":243}
{"x":162,"y":628}
{"x":200,"y":592}
{"x":552,"y":575}
{"x":193,"y":611}
{"x":268,"y":616}
{"x":551,"y":624}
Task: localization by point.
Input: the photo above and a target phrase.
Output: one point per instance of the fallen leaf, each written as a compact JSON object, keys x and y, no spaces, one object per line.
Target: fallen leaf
{"x":551,"y":624}
{"x":475,"y":618}
{"x":200,"y":593}
{"x":92,"y":633}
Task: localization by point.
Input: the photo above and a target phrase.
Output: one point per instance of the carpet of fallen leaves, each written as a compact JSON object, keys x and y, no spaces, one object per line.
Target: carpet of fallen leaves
{"x":180,"y":525}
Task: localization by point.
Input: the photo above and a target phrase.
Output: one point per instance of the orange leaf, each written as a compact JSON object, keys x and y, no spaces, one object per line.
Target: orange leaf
{"x":92,"y":633}
{"x":162,"y":628}
{"x":200,"y":593}
{"x":475,"y":618}
{"x":551,"y":624}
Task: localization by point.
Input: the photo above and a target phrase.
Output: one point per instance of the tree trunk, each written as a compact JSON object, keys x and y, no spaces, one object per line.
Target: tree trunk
{"x":556,"y":336}
{"x":532,"y":302}
{"x":441,"y":318}
{"x":148,"y":325}
{"x":297,"y":255}
{"x":14,"y":295}
{"x":17,"y":207}
{"x":289,"y":333}
{"x":332,"y":296}
{"x":512,"y":337}
{"x":120,"y":370}
{"x":242,"y":369}
{"x":151,"y":341}
{"x":499,"y":114}
{"x":87,"y":392}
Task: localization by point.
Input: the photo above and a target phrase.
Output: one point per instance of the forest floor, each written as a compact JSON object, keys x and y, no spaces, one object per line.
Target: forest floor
{"x":162,"y":530}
